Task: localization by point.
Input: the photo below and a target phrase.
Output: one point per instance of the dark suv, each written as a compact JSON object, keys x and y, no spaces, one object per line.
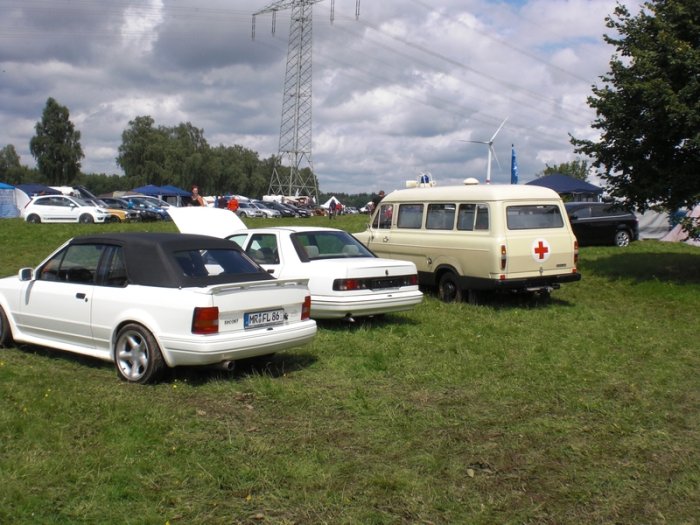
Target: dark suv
{"x":602,"y":223}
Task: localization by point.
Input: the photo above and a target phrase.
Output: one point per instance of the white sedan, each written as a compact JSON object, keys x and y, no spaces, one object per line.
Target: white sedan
{"x":147,"y":301}
{"x":346,"y":280}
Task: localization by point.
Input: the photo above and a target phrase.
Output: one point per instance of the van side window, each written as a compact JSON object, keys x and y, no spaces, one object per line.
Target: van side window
{"x":440,"y":217}
{"x":482,"y":217}
{"x":410,"y":216}
{"x":465,"y":217}
{"x":383,"y":217}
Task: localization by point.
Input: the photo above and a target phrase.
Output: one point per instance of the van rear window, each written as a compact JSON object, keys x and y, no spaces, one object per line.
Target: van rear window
{"x":534,"y":217}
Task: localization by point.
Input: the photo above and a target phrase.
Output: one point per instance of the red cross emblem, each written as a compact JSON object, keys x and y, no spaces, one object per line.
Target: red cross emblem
{"x":540,"y":250}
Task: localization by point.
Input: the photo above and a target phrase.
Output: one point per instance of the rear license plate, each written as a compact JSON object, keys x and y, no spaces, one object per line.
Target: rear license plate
{"x":267,"y":318}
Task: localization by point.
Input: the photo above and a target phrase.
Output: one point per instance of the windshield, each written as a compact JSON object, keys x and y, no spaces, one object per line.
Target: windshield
{"x":316,"y":245}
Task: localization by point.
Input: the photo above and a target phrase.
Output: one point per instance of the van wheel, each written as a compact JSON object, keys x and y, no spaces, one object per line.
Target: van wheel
{"x":622,"y":238}
{"x":448,"y":289}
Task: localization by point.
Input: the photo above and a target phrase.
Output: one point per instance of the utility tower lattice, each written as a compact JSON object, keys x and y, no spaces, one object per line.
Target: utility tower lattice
{"x":295,"y":130}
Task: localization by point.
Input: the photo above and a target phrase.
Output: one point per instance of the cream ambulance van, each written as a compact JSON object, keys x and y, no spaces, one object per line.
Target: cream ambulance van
{"x":476,"y":237}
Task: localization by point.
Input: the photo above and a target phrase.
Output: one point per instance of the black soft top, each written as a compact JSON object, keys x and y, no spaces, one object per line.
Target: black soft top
{"x":150,"y":258}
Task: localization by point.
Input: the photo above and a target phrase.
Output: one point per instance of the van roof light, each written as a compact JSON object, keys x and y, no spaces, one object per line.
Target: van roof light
{"x":470,"y":181}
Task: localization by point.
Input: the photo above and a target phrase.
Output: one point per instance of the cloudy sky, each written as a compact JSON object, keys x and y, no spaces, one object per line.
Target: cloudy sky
{"x":396,"y":92}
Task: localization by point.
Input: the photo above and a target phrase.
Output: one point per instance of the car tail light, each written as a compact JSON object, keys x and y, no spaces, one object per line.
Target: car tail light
{"x":306,"y":308}
{"x":504,"y":256}
{"x":575,"y":253}
{"x":375,"y":283}
{"x":205,"y":320}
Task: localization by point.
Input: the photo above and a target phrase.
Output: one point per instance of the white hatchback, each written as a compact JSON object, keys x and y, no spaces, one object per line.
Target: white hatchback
{"x":346,"y":280}
{"x":62,"y":208}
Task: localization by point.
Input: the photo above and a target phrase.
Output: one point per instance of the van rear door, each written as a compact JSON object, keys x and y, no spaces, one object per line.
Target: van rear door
{"x":539,"y":240}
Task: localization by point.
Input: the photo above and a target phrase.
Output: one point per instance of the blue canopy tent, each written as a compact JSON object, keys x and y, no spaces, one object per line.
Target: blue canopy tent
{"x":175,"y":191}
{"x":149,"y":189}
{"x":8,"y":201}
{"x":578,"y":189}
{"x":162,"y":192}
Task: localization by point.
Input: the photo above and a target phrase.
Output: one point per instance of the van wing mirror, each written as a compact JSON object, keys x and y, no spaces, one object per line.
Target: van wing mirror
{"x":26,"y":274}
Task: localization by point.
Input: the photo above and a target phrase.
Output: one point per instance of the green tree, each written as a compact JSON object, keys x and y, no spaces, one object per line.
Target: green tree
{"x":143,"y":152}
{"x":56,"y":145}
{"x":11,"y":171}
{"x":648,"y":108}
{"x":578,"y":169}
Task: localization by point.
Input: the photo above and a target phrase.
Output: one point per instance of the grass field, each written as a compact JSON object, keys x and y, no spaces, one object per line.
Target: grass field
{"x":583,"y":409}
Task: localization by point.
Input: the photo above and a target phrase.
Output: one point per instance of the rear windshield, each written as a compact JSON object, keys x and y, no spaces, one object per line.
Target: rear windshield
{"x":209,"y":263}
{"x":313,"y":245}
{"x":534,"y":217}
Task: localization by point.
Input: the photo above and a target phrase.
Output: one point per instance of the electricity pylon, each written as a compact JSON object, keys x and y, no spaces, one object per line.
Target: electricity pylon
{"x":295,"y":130}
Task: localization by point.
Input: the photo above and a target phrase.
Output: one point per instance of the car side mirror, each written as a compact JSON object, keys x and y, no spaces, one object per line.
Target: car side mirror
{"x":25,"y":274}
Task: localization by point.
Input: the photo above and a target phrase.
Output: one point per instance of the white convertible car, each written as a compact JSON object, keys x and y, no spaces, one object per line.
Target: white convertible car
{"x":149,"y":300}
{"x":346,"y":280}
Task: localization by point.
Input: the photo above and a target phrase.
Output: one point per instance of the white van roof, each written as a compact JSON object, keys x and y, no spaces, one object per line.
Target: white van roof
{"x":472,"y":192}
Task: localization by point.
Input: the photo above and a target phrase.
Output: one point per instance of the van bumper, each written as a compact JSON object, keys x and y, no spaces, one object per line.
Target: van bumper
{"x":536,"y":283}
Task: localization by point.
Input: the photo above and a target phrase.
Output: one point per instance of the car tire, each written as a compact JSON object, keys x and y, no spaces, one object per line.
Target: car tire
{"x":34,"y":219}
{"x":622,"y":238}
{"x":5,"y":331}
{"x":86,"y":218}
{"x":448,"y":288}
{"x":114,"y":218}
{"x":137,"y":355}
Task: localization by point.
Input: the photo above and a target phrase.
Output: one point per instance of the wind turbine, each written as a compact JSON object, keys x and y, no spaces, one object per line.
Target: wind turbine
{"x":492,"y":153}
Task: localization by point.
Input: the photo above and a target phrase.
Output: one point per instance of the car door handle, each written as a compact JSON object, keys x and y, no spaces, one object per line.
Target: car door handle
{"x":81,"y":295}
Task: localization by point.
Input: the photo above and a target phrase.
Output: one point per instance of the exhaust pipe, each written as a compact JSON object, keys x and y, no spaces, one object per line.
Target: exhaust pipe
{"x":227,"y":366}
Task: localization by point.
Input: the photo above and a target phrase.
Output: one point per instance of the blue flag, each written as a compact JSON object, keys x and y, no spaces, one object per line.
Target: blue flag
{"x":513,"y":167}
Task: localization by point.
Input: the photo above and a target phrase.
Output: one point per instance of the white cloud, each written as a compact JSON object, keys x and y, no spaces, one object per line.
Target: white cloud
{"x":394,"y":91}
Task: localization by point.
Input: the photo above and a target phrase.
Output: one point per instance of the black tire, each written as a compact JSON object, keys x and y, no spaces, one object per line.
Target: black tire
{"x":5,"y":331}
{"x":622,"y":238}
{"x":86,"y":218}
{"x":114,"y":218}
{"x":448,"y":288}
{"x":34,"y":219}
{"x":137,"y":355}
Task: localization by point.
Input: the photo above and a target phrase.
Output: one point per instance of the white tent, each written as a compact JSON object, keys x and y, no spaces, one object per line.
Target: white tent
{"x":653,"y":224}
{"x":327,"y":204}
{"x":678,"y":234}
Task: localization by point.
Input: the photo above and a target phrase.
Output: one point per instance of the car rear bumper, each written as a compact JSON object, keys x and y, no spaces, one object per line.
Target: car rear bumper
{"x":228,"y":346}
{"x":329,"y":307}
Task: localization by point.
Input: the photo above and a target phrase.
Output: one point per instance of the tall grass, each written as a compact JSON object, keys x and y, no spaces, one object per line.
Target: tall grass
{"x":583,"y":409}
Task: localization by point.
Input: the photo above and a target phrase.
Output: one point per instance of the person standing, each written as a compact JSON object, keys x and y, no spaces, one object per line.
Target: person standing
{"x":331,"y":209}
{"x":196,"y":199}
{"x":377,"y":199}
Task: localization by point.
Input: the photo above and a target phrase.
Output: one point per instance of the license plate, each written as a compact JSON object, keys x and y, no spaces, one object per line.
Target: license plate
{"x":267,"y":318}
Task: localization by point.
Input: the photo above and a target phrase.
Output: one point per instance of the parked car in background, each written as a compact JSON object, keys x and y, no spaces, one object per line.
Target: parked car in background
{"x":158,"y":203}
{"x":147,"y":209}
{"x":119,"y":208}
{"x":269,"y":212}
{"x":246,"y":209}
{"x":600,"y":223}
{"x":147,"y":301}
{"x":284,"y":210}
{"x":298,"y":210}
{"x":345,"y":279}
{"x":62,"y":208}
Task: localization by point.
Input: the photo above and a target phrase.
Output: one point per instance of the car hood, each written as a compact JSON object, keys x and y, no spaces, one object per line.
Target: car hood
{"x":215,"y":222}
